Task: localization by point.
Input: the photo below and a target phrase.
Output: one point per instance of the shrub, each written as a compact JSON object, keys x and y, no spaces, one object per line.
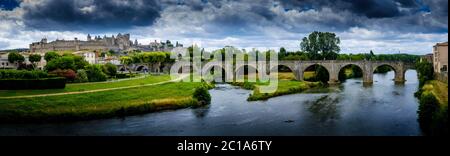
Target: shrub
{"x":22,"y":74}
{"x":81,"y":76}
{"x":202,"y":95}
{"x":51,"y":55}
{"x":15,"y":57}
{"x":80,"y":62}
{"x":69,"y":74}
{"x":65,"y":62}
{"x":110,"y":69}
{"x":95,"y":73}
{"x":428,"y":106}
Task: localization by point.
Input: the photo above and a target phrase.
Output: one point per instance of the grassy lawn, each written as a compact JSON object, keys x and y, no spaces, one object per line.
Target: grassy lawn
{"x":284,"y":87}
{"x":88,"y":86}
{"x":99,"y":104}
{"x":308,"y":75}
{"x":439,"y":89}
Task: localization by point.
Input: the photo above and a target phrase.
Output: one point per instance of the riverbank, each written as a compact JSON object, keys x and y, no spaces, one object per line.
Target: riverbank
{"x":102,"y":104}
{"x":286,"y":85}
{"x":433,"y":108}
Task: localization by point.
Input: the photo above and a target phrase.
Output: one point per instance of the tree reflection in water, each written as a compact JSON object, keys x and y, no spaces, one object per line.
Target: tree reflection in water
{"x":325,"y":109}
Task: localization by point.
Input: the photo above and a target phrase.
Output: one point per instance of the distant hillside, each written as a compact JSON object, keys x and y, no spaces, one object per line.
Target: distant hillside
{"x":18,"y":50}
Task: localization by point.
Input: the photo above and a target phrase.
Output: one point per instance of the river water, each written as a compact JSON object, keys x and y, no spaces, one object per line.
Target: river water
{"x":383,"y":108}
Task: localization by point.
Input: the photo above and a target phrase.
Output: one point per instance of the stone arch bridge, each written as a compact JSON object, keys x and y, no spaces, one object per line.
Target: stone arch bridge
{"x":297,"y":67}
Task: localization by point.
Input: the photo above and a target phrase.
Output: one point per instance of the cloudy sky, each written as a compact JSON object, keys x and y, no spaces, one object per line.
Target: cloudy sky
{"x":384,"y":26}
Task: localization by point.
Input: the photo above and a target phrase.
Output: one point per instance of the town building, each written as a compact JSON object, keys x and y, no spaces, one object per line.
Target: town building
{"x":90,"y":57}
{"x":5,"y":64}
{"x":427,"y":57}
{"x":440,"y":57}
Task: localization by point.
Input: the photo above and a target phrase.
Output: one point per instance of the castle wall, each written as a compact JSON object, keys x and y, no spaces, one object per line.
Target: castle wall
{"x":106,"y":43}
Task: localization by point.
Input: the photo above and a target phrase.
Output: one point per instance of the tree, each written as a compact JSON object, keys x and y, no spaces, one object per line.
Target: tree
{"x":65,"y":62}
{"x":33,"y":58}
{"x":321,"y":45}
{"x":81,"y":76}
{"x":110,"y":69}
{"x":14,"y":57}
{"x":80,"y":62}
{"x":153,"y":58}
{"x":425,"y":71}
{"x":126,"y":61}
{"x":282,"y":53}
{"x":51,"y":55}
{"x":94,"y":73}
{"x":372,"y":55}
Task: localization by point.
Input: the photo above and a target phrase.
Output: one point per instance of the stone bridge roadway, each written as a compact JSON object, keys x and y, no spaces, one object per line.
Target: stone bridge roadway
{"x":297,"y":67}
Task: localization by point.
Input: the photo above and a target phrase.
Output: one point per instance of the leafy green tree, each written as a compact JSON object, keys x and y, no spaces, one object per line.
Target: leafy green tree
{"x":126,"y":61}
{"x":51,"y":55}
{"x":321,"y":45}
{"x":428,"y":107}
{"x":80,"y":62}
{"x":282,"y":53}
{"x":65,"y":62}
{"x":425,"y":71}
{"x":110,"y":69}
{"x":81,"y":76}
{"x":94,"y":73}
{"x":33,"y":58}
{"x":15,"y":57}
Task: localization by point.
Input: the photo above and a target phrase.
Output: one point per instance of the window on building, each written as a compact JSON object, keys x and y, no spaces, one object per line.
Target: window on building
{"x":444,"y":68}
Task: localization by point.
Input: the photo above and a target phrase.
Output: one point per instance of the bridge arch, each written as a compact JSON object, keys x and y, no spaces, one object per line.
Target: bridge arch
{"x":282,"y":68}
{"x":209,"y":70}
{"x":141,"y":68}
{"x":342,"y":75}
{"x":314,"y":67}
{"x":398,"y":68}
{"x":245,"y":69}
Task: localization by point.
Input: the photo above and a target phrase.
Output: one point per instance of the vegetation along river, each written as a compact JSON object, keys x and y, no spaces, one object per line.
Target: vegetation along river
{"x":383,"y":108}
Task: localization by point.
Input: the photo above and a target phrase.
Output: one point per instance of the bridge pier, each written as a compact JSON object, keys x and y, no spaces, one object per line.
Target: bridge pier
{"x":399,"y":77}
{"x":334,"y":76}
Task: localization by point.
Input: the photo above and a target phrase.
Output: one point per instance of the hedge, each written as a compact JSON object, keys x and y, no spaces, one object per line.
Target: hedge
{"x":20,"y":84}
{"x":23,"y":74}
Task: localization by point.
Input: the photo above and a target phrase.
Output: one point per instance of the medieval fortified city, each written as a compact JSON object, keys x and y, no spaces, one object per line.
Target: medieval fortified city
{"x":224,"y":68}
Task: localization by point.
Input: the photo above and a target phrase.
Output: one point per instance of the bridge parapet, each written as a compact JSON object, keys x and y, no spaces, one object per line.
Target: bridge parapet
{"x":299,"y":66}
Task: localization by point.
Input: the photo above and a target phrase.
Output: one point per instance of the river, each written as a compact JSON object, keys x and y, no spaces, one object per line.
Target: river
{"x":383,"y":108}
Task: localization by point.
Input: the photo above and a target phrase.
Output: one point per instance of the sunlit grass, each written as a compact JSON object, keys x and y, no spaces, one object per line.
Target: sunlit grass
{"x":99,"y":104}
{"x":89,"y":86}
{"x":439,"y":89}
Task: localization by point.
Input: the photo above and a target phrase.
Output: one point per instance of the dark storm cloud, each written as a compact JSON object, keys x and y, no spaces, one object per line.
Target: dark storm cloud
{"x":74,"y":14}
{"x":240,"y":16}
{"x":9,"y":4}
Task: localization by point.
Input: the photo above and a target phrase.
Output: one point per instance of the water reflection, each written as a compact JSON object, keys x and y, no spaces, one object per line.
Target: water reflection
{"x":325,"y":108}
{"x":382,"y":108}
{"x":201,"y":112}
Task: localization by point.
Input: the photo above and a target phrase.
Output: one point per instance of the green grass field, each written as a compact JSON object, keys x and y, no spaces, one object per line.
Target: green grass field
{"x":99,"y":104}
{"x":88,"y":86}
